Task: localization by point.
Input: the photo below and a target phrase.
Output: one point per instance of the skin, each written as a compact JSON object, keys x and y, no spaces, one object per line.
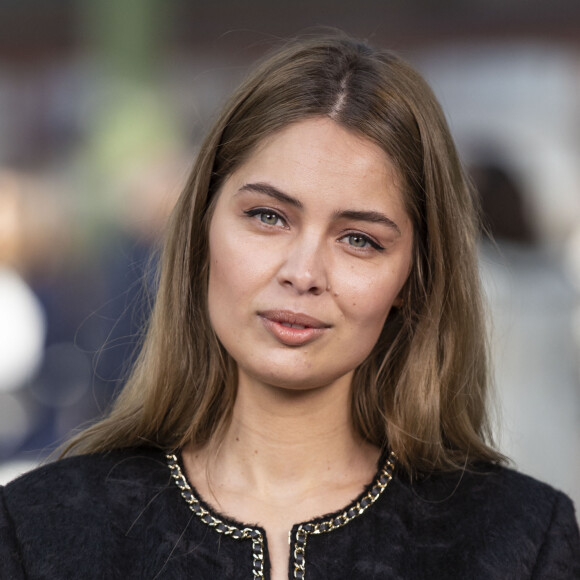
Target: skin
{"x":311,"y":231}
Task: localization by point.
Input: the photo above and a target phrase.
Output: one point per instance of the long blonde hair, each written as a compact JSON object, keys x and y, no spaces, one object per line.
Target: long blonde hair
{"x":422,"y":391}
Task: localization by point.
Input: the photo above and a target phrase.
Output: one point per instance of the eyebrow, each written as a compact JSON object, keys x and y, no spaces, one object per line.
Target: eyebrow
{"x":358,"y":215}
{"x":368,"y":216}
{"x":271,"y":191}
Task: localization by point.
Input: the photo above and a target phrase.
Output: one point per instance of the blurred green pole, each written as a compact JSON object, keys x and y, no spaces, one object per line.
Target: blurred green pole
{"x":132,"y":123}
{"x":127,"y":36}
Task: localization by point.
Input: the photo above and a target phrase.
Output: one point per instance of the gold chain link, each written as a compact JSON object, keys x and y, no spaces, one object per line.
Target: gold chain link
{"x":304,"y":530}
{"x":219,"y":525}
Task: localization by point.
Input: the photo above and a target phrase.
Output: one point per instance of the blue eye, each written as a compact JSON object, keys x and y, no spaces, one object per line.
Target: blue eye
{"x":358,"y":241}
{"x":269,"y":218}
{"x":361,"y":242}
{"x":266,"y":216}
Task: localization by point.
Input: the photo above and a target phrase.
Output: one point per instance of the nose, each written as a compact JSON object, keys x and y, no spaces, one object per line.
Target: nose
{"x":304,"y":268}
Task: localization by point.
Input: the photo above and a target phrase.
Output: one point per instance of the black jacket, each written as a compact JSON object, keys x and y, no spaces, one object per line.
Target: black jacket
{"x":122,"y":515}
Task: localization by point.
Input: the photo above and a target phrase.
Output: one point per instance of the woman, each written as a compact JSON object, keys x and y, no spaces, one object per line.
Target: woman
{"x":317,"y":347}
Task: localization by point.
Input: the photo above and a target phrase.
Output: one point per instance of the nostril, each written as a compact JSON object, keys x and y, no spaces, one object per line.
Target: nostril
{"x":303,"y":270}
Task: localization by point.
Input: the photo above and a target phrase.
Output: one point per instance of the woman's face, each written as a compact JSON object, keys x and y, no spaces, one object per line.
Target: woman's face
{"x":310,"y":246}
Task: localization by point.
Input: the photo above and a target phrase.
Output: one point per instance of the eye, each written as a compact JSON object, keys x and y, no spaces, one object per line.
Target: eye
{"x":358,"y":241}
{"x":269,"y":218}
{"x":266,"y":216}
{"x":361,"y":242}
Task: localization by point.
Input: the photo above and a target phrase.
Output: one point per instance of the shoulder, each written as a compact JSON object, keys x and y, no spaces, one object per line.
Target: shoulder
{"x":481,"y":481}
{"x":55,"y":519}
{"x":491,"y":510}
{"x":85,"y":474}
{"x":493,"y":492}
{"x":79,"y":486}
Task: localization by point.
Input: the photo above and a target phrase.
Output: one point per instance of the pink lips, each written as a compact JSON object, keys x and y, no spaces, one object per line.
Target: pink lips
{"x":292,"y":328}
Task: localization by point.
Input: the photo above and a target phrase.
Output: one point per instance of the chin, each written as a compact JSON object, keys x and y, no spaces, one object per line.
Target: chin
{"x":299,"y":380}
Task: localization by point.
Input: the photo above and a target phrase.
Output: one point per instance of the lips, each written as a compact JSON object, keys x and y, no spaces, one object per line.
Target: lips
{"x":292,"y":328}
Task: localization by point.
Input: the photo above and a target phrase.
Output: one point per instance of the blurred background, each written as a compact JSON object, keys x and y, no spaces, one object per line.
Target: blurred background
{"x":103,"y":105}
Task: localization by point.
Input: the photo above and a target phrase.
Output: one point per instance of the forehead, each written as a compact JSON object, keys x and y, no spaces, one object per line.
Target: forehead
{"x":320,"y":157}
{"x":328,"y":139}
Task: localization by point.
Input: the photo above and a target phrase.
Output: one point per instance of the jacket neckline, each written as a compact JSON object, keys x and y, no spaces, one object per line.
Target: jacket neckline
{"x":300,"y":532}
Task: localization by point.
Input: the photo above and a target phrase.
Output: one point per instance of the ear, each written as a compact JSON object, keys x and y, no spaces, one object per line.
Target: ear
{"x":398,"y":302}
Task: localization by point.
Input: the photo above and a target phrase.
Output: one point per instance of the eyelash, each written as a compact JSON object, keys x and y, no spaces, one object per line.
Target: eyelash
{"x":266,"y":211}
{"x":366,"y":238}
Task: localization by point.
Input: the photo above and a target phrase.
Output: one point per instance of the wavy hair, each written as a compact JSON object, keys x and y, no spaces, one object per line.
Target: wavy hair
{"x":423,"y":389}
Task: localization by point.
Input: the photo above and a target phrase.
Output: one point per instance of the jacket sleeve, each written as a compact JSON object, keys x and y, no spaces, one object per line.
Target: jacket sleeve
{"x":559,"y":555}
{"x":10,"y":562}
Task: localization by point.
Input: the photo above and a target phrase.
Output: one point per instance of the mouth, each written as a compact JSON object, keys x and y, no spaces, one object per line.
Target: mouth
{"x":292,"y":328}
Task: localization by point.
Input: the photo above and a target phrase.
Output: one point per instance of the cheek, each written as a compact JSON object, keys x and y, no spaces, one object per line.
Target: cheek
{"x":366,"y":303}
{"x":220,"y":271}
{"x":225,"y":284}
{"x":369,"y":298}
{"x":238,"y":269}
{"x":222,"y":275}
{"x":371,"y":320}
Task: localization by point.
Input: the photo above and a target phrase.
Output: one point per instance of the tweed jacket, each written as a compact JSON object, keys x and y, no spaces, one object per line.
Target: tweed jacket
{"x":131,"y":514}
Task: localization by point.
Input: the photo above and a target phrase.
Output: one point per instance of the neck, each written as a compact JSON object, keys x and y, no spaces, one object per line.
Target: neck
{"x":286,"y":439}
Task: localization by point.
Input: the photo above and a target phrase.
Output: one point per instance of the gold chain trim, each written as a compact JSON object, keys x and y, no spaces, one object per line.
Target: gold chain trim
{"x":304,"y":530}
{"x":219,"y":525}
